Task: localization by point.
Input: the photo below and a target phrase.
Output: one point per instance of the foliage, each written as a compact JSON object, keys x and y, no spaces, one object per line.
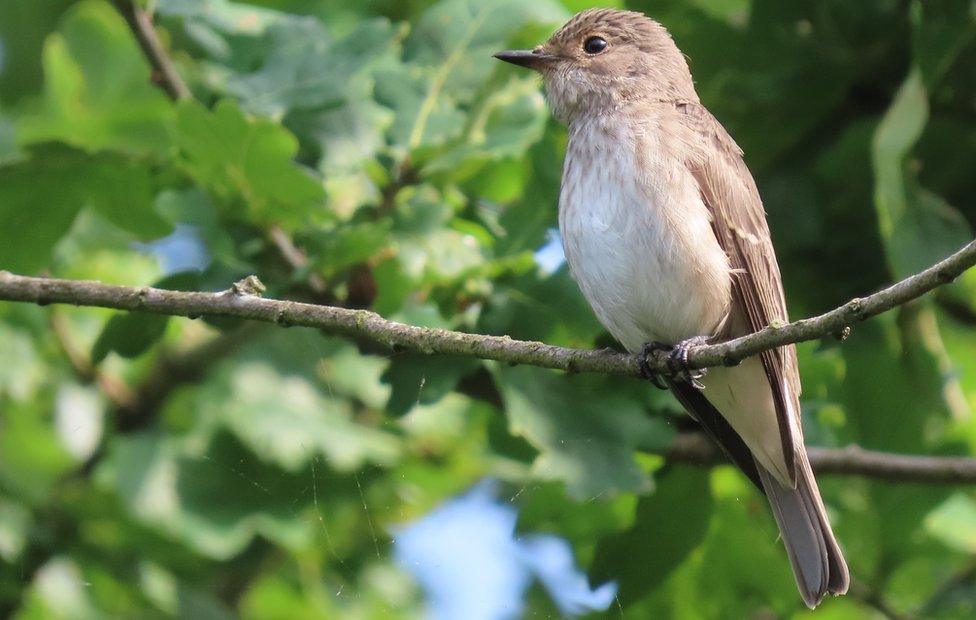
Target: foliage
{"x":264,"y":472}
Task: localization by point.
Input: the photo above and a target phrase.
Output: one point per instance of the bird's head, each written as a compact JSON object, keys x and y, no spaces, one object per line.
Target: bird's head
{"x":603,"y":59}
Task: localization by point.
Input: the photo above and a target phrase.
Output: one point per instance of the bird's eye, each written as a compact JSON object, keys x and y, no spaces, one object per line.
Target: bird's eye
{"x":594,"y":45}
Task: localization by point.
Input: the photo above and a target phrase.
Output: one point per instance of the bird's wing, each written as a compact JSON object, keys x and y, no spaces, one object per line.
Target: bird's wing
{"x":718,"y":428}
{"x":739,"y":223}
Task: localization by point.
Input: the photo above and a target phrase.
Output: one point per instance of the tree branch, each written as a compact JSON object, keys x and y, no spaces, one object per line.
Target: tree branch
{"x":838,"y":321}
{"x":167,"y":78}
{"x":242,"y":301}
{"x":164,"y":73}
{"x":114,"y":388}
{"x":297,"y":260}
{"x":696,"y":449}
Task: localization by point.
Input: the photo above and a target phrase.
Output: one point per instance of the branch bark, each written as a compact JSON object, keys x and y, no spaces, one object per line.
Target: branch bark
{"x":839,"y":321}
{"x":696,"y":449}
{"x":114,"y":388}
{"x":243,"y":301}
{"x":164,"y":73}
{"x":688,"y":448}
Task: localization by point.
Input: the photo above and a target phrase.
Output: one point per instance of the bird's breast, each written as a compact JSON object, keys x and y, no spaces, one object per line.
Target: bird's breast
{"x":638,"y":238}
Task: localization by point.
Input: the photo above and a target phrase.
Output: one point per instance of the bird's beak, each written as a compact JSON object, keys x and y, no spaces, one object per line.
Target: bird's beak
{"x":526,"y":58}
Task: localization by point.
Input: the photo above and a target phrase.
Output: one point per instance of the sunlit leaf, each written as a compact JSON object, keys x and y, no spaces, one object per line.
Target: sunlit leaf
{"x":248,"y":162}
{"x":449,"y":58}
{"x":918,"y":227}
{"x":305,"y":69}
{"x":586,"y":431}
{"x":215,"y":502}
{"x":98,"y":93}
{"x":954,"y":523}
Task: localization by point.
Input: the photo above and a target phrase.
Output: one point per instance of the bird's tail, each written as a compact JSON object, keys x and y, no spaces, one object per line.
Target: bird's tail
{"x":818,"y":563}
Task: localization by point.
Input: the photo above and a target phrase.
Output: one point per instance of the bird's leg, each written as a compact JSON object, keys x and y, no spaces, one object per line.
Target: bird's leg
{"x":644,"y":364}
{"x":678,"y":361}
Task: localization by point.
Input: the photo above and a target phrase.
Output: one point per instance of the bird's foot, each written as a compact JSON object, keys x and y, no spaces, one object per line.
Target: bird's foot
{"x":677,"y":362}
{"x":644,"y":363}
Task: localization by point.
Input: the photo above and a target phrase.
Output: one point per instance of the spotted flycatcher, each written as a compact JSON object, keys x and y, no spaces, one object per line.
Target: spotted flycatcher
{"x":664,"y":231}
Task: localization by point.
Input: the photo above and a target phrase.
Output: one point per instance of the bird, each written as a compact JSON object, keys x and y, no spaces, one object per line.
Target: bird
{"x":665,"y":233}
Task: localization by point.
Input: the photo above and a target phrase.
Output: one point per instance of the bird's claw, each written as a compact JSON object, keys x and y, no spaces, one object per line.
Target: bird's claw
{"x":644,"y":363}
{"x":677,"y":362}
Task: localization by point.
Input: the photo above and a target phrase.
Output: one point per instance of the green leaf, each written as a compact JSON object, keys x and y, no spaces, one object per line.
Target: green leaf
{"x":215,"y":501}
{"x":917,"y":226}
{"x":668,"y":525}
{"x":132,"y":333}
{"x":893,"y":368}
{"x":394,"y":286}
{"x":287,"y":420}
{"x":427,"y":249}
{"x":21,"y":369}
{"x":247,"y":160}
{"x":739,"y":566}
{"x":525,"y":223}
{"x":44,"y":193}
{"x":508,"y":121}
{"x":455,"y":40}
{"x":272,"y":397}
{"x":929,"y":230}
{"x":14,"y":528}
{"x":320,"y":86}
{"x":210,"y":19}
{"x":193,"y":207}
{"x":349,"y":373}
{"x":449,"y":59}
{"x":124,"y":191}
{"x":346,"y":138}
{"x":419,"y":118}
{"x":546,"y":507}
{"x":954,"y":523}
{"x":23,"y":26}
{"x":585,"y":428}
{"x":524,"y":308}
{"x":304,"y":69}
{"x":59,"y":590}
{"x":32,"y":457}
{"x":348,"y":245}
{"x":418,"y":379}
{"x":9,"y":151}
{"x":97,"y":88}
{"x":941,"y":31}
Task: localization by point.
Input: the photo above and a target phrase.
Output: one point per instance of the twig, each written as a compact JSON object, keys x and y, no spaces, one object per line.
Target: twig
{"x":839,"y":320}
{"x":297,"y":259}
{"x":114,"y":388}
{"x":164,"y":73}
{"x":166,"y":76}
{"x":696,"y":449}
{"x":362,"y":324}
{"x":241,"y":301}
{"x":372,"y":327}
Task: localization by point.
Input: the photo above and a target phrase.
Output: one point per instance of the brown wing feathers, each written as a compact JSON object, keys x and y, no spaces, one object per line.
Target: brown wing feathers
{"x":739,"y":224}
